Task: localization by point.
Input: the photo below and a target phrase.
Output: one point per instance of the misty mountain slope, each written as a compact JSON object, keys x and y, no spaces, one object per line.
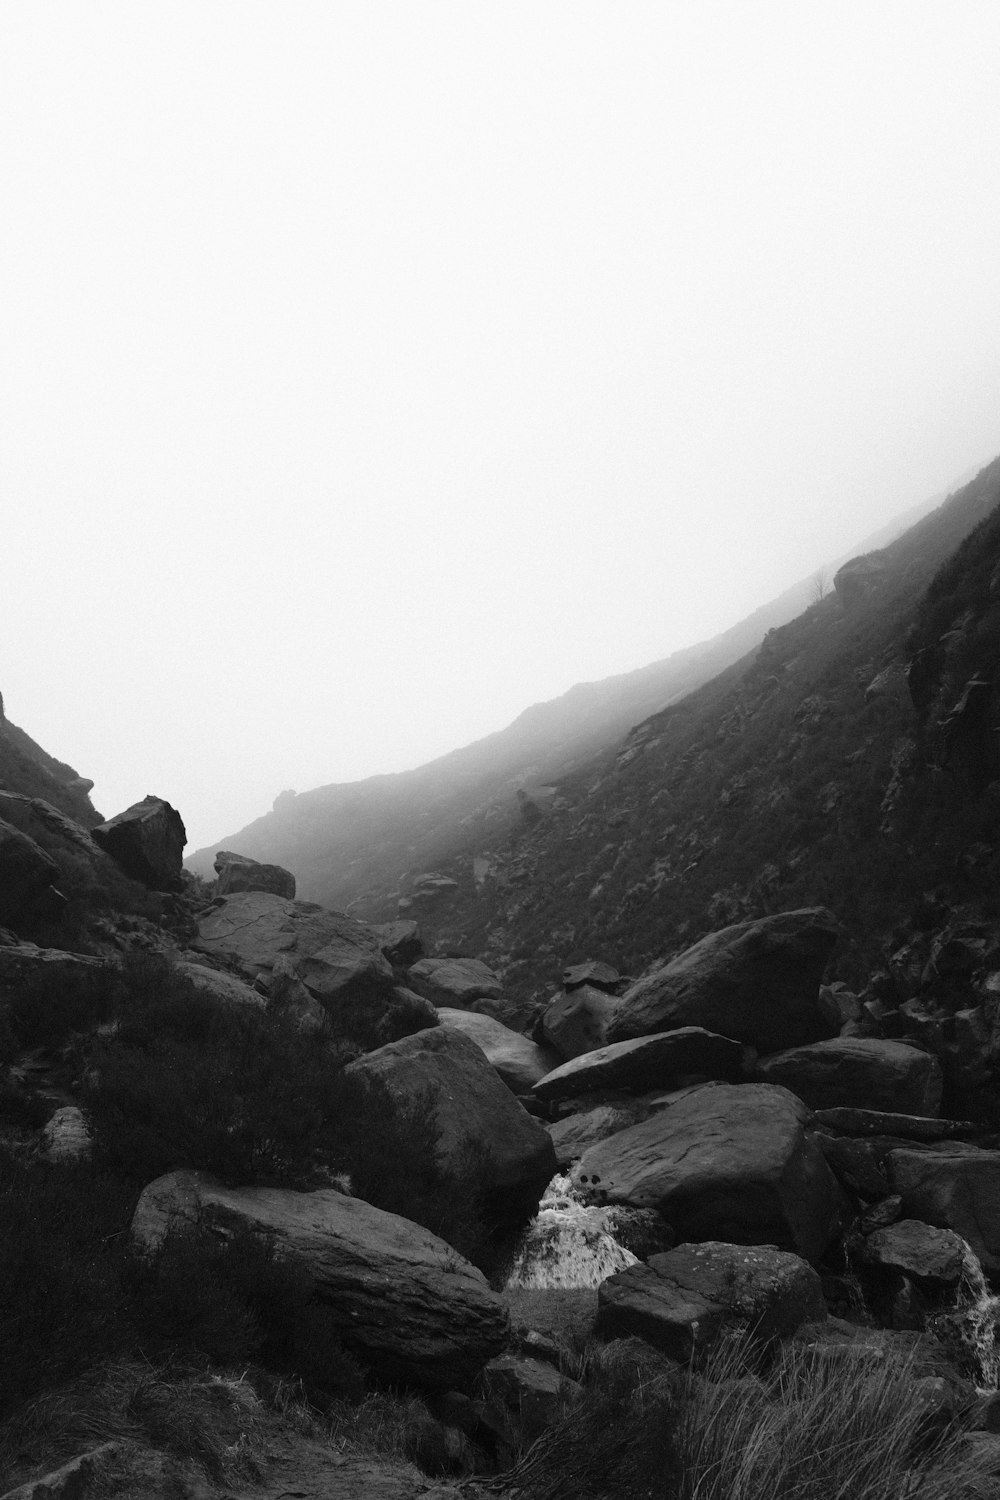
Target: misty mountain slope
{"x":30,"y":771}
{"x":801,"y":774}
{"x":354,"y":843}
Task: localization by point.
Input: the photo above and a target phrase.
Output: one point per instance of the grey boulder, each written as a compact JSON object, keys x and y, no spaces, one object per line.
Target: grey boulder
{"x":238,"y":872}
{"x":956,"y":1188}
{"x":147,"y":841}
{"x":577,"y":1021}
{"x":518,"y":1060}
{"x":402,"y":1299}
{"x":455,"y":982}
{"x":917,"y":1249}
{"x":648,"y":1062}
{"x":858,"y":1073}
{"x":757,"y":982}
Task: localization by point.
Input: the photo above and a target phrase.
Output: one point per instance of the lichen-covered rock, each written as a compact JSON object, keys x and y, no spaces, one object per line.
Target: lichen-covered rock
{"x":402,"y":1299}
{"x":147,"y":840}
{"x":757,"y":982}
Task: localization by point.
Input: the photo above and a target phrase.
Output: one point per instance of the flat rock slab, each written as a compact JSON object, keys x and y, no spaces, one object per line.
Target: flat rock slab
{"x":681,"y":1300}
{"x":578,"y":1021}
{"x":858,"y":1073}
{"x":953,"y":1189}
{"x":730,"y":1162}
{"x":403,"y":1299}
{"x":455,"y":982}
{"x":331,"y":953}
{"x":757,"y":982}
{"x":918,"y":1249}
{"x":518,"y":1061}
{"x":871,"y":1122}
{"x":648,"y":1062}
{"x":473,"y":1109}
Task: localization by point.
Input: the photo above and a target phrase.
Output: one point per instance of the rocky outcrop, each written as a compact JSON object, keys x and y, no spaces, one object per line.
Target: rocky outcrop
{"x":456,"y":982}
{"x":518,"y":1061}
{"x":727,"y":1162}
{"x":648,"y":1062}
{"x":757,"y":982}
{"x":147,"y":840}
{"x":953,"y":1188}
{"x":858,"y":579}
{"x":402,"y":1299}
{"x":577,"y":1021}
{"x":680,"y":1301}
{"x":26,"y":872}
{"x":474,"y":1110}
{"x":238,"y":872}
{"x":858,"y":1073}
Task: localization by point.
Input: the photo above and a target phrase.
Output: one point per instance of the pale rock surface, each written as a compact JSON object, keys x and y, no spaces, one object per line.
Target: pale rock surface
{"x":681,"y":1300}
{"x":757,"y":982}
{"x":402,"y":1298}
{"x":858,"y":1073}
{"x":66,"y":1136}
{"x":729,"y":1162}
{"x":645,"y":1063}
{"x":474,"y":1109}
{"x":518,"y":1060}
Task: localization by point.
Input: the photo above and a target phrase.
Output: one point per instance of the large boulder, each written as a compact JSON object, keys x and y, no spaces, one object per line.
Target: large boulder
{"x":474,"y":1110}
{"x":647,"y":1062}
{"x":332,"y":954}
{"x":400,"y":942}
{"x":218,"y":985}
{"x":757,"y":982}
{"x":518,"y":1060}
{"x":238,"y":872}
{"x":147,"y":840}
{"x":726,"y":1162}
{"x":402,"y":1299}
{"x":681,"y":1300}
{"x":455,"y":982}
{"x":917,"y":1249}
{"x":577,"y":1021}
{"x":858,"y":1073}
{"x":26,"y":871}
{"x":953,"y":1188}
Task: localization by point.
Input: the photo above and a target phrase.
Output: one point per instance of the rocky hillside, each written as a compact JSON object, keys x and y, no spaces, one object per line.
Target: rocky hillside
{"x":841,"y":762}
{"x":349,"y":844}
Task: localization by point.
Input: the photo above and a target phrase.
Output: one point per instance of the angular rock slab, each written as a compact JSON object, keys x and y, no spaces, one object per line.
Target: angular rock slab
{"x":727,"y":1162}
{"x":681,"y":1300}
{"x":875,"y":1122}
{"x":518,"y":1061}
{"x":473,"y":1107}
{"x":858,"y":1073}
{"x":147,"y":841}
{"x":577,"y":1021}
{"x":331,"y":953}
{"x":918,"y":1249}
{"x":953,"y":1189}
{"x":455,"y":982}
{"x":238,"y":872}
{"x":402,"y":1299}
{"x":647,"y":1062}
{"x":757,"y":982}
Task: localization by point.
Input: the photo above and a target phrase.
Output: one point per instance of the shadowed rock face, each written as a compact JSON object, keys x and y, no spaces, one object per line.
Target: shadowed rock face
{"x":238,"y":872}
{"x":757,"y":982}
{"x":26,"y":871}
{"x":727,"y":1162}
{"x":953,"y":1188}
{"x":147,"y":840}
{"x":859,"y":1073}
{"x":409,"y":1306}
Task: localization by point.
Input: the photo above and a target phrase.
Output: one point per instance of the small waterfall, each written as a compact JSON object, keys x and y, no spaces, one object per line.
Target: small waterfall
{"x":570,"y":1244}
{"x":979,"y":1311}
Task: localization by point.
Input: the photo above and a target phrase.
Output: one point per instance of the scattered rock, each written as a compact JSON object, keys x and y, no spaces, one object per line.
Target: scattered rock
{"x":519,"y":1061}
{"x":757,"y":982}
{"x":645,"y":1063}
{"x":147,"y":840}
{"x":407,"y":1304}
{"x":238,"y":872}
{"x":858,"y":1073}
{"x":455,"y":982}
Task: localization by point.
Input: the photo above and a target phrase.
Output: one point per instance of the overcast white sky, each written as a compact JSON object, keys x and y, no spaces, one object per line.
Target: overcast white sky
{"x":371,"y":370}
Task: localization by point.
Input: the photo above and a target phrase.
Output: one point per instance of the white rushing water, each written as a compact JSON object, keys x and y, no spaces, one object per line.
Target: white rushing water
{"x":979,"y":1309}
{"x":570,"y":1243}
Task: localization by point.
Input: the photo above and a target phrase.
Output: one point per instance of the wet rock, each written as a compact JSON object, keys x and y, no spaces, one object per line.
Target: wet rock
{"x":681,"y":1300}
{"x":859,"y":1073}
{"x":577,"y":1021}
{"x":917,"y":1249}
{"x":757,"y":982}
{"x":955,"y":1189}
{"x":474,"y":1110}
{"x":519,"y":1061}
{"x":403,"y":1300}
{"x":238,"y":872}
{"x":645,"y":1063}
{"x":730,"y":1162}
{"x":147,"y":840}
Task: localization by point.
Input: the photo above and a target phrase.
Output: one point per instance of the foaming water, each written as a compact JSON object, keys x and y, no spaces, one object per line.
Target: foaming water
{"x":980,"y":1313}
{"x":570,"y":1243}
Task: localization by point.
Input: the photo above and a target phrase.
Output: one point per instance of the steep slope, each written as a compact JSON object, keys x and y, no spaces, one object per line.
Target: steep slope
{"x":351,"y":843}
{"x":29,"y":770}
{"x":803,"y":774}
